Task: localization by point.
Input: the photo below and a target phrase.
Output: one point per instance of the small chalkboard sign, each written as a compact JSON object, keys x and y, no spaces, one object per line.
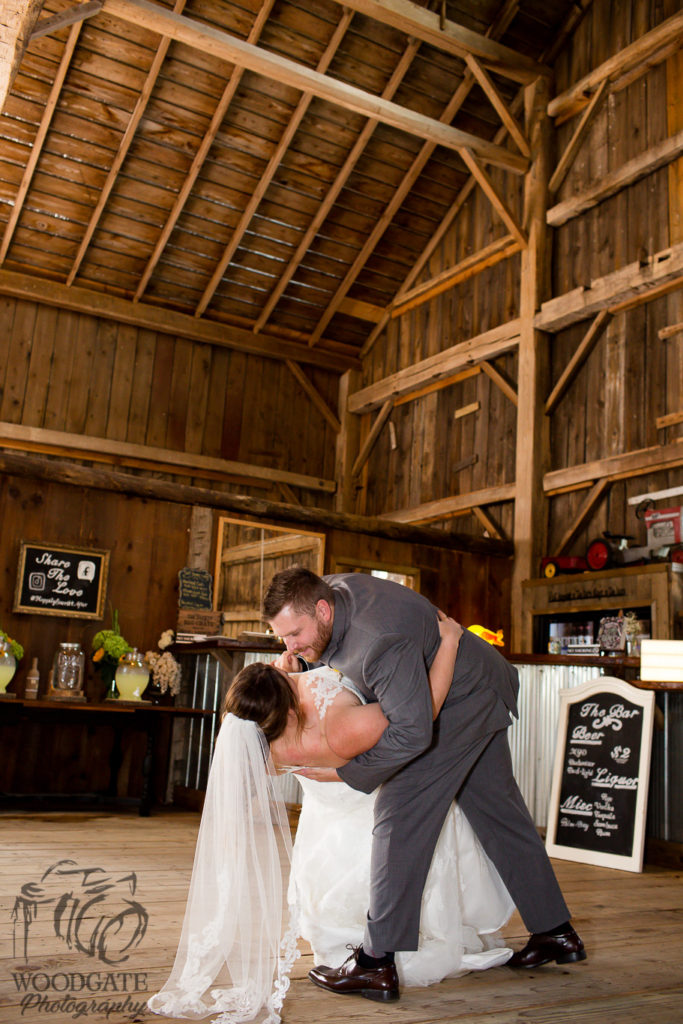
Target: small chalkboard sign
{"x":598,"y":799}
{"x":195,"y":589}
{"x":54,"y":579}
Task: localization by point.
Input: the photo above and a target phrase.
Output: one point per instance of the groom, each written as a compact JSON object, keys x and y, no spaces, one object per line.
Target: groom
{"x":384,"y":637}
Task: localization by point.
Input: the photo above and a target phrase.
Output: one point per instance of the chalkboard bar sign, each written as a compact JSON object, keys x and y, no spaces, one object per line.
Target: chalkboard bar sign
{"x":598,"y":798}
{"x":195,"y":589}
{"x":55,"y":579}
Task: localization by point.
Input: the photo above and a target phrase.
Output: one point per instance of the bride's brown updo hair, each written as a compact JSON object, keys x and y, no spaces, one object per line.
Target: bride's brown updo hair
{"x":261,"y":694}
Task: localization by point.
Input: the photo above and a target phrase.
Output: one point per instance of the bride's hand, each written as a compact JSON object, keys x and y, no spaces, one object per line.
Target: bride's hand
{"x":320,"y":774}
{"x":287,"y":662}
{"x":449,"y":629}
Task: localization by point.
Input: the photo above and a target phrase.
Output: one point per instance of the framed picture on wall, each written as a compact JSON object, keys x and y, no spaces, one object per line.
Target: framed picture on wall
{"x":57,"y":579}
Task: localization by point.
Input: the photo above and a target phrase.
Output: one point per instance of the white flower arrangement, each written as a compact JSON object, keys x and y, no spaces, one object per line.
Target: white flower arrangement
{"x":164,"y":668}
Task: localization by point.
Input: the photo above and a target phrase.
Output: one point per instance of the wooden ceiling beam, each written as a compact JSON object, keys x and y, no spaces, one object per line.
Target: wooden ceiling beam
{"x":371,"y":440}
{"x":630,"y":285}
{"x":272,"y":167}
{"x":167,"y":321}
{"x":202,"y":152}
{"x":457,"y":504}
{"x":497,"y":28}
{"x":574,"y":144}
{"x":79,"y":12}
{"x":491,"y":254}
{"x":460,"y":95}
{"x":16,"y":435}
{"x":450,"y":37}
{"x":263,"y":62}
{"x":39,"y":141}
{"x":124,"y":146}
{"x":616,"y":467}
{"x":583,"y":350}
{"x":467,"y":354}
{"x":65,"y":472}
{"x":607,"y":185}
{"x":17,"y":20}
{"x":314,"y":395}
{"x":335,"y":188}
{"x":499,"y":105}
{"x":621,"y":69}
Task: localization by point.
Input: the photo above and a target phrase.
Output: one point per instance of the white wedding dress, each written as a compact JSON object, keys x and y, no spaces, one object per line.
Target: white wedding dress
{"x":464,"y":905}
{"x":238,"y":940}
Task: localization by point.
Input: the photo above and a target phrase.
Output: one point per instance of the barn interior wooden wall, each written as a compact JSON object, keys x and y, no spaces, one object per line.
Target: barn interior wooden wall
{"x":505,"y":365}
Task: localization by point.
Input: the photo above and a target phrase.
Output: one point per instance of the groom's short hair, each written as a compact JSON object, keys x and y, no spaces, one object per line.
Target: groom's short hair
{"x":297,"y":587}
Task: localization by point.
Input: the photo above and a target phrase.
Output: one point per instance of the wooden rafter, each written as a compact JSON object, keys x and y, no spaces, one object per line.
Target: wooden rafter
{"x":498,"y":27}
{"x":416,"y":168}
{"x":202,"y":153}
{"x":272,"y":167}
{"x":583,"y":350}
{"x":491,"y":254}
{"x":615,"y":467}
{"x":437,"y":385}
{"x":621,"y":69}
{"x":574,"y":144}
{"x":79,"y":12}
{"x":668,"y":332}
{"x":17,"y":20}
{"x":100,"y":449}
{"x":609,"y":184}
{"x":371,"y":440}
{"x":485,"y":519}
{"x":166,"y":321}
{"x":39,"y":141}
{"x":314,"y":395}
{"x":623,"y":288}
{"x":457,"y":504}
{"x":499,"y":105}
{"x":441,"y":365}
{"x":500,"y":381}
{"x":336,"y":187}
{"x":264,"y":62}
{"x":124,"y":146}
{"x":66,"y":472}
{"x":485,"y":183}
{"x":448,"y":36}
{"x":587,"y":507}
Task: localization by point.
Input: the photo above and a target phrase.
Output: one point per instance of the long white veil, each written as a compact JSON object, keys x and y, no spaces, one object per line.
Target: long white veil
{"x":238,"y":943}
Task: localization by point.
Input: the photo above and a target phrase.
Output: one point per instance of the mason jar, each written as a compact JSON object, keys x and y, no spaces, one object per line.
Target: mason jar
{"x":67,"y":668}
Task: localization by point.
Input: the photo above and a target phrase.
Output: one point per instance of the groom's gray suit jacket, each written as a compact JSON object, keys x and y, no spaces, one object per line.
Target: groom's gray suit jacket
{"x":384,"y":639}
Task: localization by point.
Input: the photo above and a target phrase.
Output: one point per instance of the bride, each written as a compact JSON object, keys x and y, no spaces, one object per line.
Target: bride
{"x":235,"y":935}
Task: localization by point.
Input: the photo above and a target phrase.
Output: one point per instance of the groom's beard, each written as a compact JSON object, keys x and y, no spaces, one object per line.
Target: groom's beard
{"x":319,"y":643}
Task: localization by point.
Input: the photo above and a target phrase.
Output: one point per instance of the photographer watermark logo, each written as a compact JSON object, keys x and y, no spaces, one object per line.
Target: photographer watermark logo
{"x":93,"y":912}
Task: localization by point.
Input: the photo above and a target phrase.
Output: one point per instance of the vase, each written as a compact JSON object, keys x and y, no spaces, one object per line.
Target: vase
{"x":108,"y":676}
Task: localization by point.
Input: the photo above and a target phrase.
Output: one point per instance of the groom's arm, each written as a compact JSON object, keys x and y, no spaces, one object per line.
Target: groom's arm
{"x":394,"y":669}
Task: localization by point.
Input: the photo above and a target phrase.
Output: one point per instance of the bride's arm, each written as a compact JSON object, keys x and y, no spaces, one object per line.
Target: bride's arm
{"x":441,"y":672}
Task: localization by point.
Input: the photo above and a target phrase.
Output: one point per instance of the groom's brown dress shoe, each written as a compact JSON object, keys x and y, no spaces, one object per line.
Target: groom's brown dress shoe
{"x":543,"y":947}
{"x":380,"y":983}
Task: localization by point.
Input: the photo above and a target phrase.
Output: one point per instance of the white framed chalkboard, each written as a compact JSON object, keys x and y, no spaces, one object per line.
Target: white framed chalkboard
{"x":598,"y":798}
{"x":57,"y":579}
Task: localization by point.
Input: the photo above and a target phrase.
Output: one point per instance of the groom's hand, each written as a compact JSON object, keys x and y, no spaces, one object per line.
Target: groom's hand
{"x":320,"y":774}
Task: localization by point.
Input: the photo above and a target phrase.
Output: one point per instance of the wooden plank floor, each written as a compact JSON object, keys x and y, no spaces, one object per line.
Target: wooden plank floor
{"x":632,"y":926}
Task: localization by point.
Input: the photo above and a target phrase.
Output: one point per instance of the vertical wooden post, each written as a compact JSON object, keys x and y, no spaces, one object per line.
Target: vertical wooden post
{"x":532,"y":425}
{"x":348,"y":443}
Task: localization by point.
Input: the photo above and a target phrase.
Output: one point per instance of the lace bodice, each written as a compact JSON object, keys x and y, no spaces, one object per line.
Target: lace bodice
{"x":324,"y":684}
